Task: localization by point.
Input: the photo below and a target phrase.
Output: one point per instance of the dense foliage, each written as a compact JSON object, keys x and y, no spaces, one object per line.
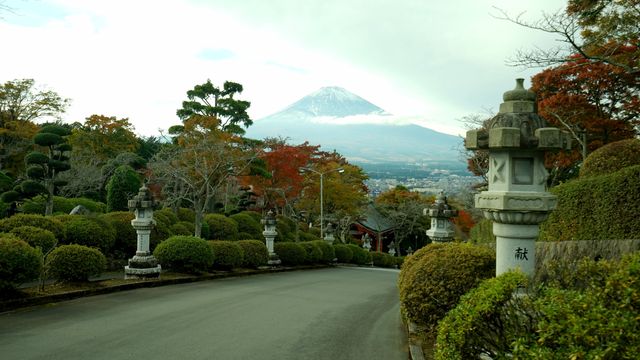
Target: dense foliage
{"x":611,"y":158}
{"x":290,"y":253}
{"x":248,"y":224}
{"x":313,"y":252}
{"x":122,"y":186}
{"x":328,"y":254}
{"x":343,"y":253}
{"x":90,"y":231}
{"x":61,"y":204}
{"x":40,"y":221}
{"x":75,"y":263}
{"x":226,"y":254}
{"x":184,"y":254}
{"x":19,"y":262}
{"x":255,"y":253}
{"x":221,"y":227}
{"x":36,"y":237}
{"x":359,"y":256}
{"x":125,"y":244}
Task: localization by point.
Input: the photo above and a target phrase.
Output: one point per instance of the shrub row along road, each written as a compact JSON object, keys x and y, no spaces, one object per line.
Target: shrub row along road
{"x":335,"y":313}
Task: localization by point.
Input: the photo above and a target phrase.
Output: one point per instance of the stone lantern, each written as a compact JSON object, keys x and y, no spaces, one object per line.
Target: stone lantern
{"x":516,"y":199}
{"x":366,"y":242}
{"x":143,"y":264}
{"x":328,"y":234}
{"x":270,"y":233}
{"x":441,"y":229}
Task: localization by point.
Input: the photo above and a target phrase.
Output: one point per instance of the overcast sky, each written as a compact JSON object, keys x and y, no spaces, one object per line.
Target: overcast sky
{"x":427,"y":62}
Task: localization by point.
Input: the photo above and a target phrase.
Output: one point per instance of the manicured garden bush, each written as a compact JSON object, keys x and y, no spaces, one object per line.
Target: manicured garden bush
{"x":126,"y":239}
{"x":62,"y":205}
{"x":123,"y":185}
{"x":255,"y":253}
{"x":612,"y":157}
{"x":40,"y":221}
{"x":290,"y":253}
{"x":222,"y":228}
{"x":313,"y":252}
{"x":184,"y":254}
{"x":480,"y":324}
{"x":328,"y":254}
{"x":75,"y":263}
{"x":286,"y":228}
{"x":226,"y":254}
{"x":182,"y":228}
{"x":90,"y":231}
{"x":244,"y":236}
{"x":305,"y":236}
{"x":360,"y":255}
{"x":443,"y":273}
{"x":596,"y":208}
{"x":482,"y":232}
{"x":36,"y":237}
{"x":19,"y":262}
{"x":256,"y":216}
{"x":381,"y":259}
{"x":166,"y":215}
{"x":343,"y":253}
{"x":247,"y":224}
{"x":185,"y":214}
{"x":160,"y":232}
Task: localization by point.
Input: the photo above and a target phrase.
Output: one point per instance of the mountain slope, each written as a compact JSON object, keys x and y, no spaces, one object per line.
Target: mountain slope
{"x":358,"y":142}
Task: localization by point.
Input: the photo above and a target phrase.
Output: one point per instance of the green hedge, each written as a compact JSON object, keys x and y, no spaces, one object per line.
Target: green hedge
{"x":90,"y":231}
{"x":62,"y":205}
{"x":187,"y":215}
{"x":126,"y":239}
{"x":482,"y":232}
{"x":248,"y":224}
{"x":290,"y":253}
{"x":75,"y":263}
{"x":19,"y":262}
{"x":360,"y":255}
{"x":313,"y":252}
{"x":343,"y":253}
{"x":255,"y":253}
{"x":470,"y":328}
{"x":166,"y":215}
{"x":305,"y":236}
{"x":596,"y":208}
{"x":47,"y":223}
{"x":222,"y":228}
{"x":328,"y":254}
{"x":442,"y":274}
{"x":286,"y":229}
{"x":226,"y":254}
{"x":184,"y":254}
{"x":381,"y":259}
{"x":36,"y":237}
{"x":612,"y":157}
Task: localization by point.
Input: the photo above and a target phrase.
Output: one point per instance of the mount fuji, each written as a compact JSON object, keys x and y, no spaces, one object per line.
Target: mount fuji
{"x":326,"y":117}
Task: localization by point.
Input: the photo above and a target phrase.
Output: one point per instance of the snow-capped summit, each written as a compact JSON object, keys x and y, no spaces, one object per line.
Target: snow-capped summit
{"x":333,"y":101}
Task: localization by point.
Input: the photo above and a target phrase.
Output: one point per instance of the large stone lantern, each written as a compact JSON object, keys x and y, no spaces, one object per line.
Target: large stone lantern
{"x":516,"y":200}
{"x":269,"y":222}
{"x":143,"y":264}
{"x":441,"y":229}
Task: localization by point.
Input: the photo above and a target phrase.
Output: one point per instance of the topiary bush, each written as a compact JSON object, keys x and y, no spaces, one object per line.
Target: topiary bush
{"x":442,"y":274}
{"x":381,"y":259}
{"x":39,"y":221}
{"x":612,"y":157}
{"x":187,"y":215}
{"x":126,"y":239}
{"x":182,"y":228}
{"x":328,"y":254}
{"x":247,"y":224}
{"x":226,"y":254}
{"x":61,"y":204}
{"x":36,"y":237}
{"x":313,"y":252}
{"x":343,"y":253}
{"x":122,"y":186}
{"x":305,"y":236}
{"x":90,"y":231}
{"x":290,"y":253}
{"x":255,"y":253}
{"x":596,"y":208}
{"x":184,"y":254}
{"x":71,"y":263}
{"x":222,"y":228}
{"x":360,"y":255}
{"x":479,"y":323}
{"x":166,"y":215}
{"x":286,"y":228}
{"x":19,"y":262}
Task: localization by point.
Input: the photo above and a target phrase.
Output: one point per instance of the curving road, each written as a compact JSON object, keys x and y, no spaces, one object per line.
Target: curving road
{"x":335,"y":313}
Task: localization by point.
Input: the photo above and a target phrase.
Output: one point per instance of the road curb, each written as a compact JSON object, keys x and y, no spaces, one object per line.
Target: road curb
{"x":415,"y":348}
{"x":15,"y":304}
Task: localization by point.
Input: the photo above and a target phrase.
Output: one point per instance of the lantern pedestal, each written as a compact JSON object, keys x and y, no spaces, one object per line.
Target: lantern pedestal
{"x":270,"y":234}
{"x":143,"y":265}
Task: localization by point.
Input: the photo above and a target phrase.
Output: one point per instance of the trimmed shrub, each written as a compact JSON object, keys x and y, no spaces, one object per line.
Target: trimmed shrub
{"x":126,"y":240}
{"x":286,"y":228}
{"x":256,"y":216}
{"x":182,"y":228}
{"x":61,"y":204}
{"x":381,"y":259}
{"x":122,"y":185}
{"x":247,"y":224}
{"x":160,"y":232}
{"x":596,"y":208}
{"x":36,"y":237}
{"x":255,"y":253}
{"x":166,"y":215}
{"x":313,"y":252}
{"x":222,"y":228}
{"x":305,"y":236}
{"x":187,"y":215}
{"x":343,"y":253}
{"x":469,"y":330}
{"x":90,"y":231}
{"x":482,"y":232}
{"x":290,"y":253}
{"x":75,"y":263}
{"x":19,"y":262}
{"x":442,"y":274}
{"x":360,"y":255}
{"x":39,"y":221}
{"x":328,"y":254}
{"x":226,"y":254}
{"x":612,"y":157}
{"x":184,"y":254}
{"x":244,"y":236}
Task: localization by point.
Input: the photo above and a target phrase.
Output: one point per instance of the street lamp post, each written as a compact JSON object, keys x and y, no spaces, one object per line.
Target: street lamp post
{"x":340,"y":170}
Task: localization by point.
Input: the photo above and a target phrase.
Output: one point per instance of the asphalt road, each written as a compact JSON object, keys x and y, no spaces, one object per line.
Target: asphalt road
{"x":335,"y":313}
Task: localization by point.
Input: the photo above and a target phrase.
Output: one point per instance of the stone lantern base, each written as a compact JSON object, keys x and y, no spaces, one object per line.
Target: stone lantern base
{"x":274,"y":260}
{"x":142,"y":267}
